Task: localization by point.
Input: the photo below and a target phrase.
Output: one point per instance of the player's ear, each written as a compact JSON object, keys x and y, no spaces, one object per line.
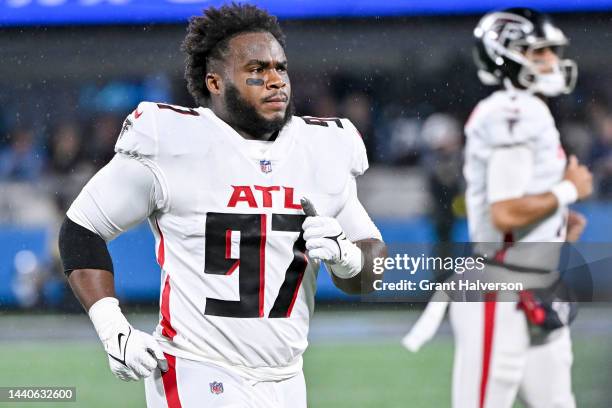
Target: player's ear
{"x":213,"y":83}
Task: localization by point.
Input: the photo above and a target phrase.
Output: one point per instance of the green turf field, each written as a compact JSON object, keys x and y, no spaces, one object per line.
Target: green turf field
{"x":362,"y":374}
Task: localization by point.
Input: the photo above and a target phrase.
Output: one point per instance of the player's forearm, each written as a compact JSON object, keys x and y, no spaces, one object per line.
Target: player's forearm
{"x":363,"y":282}
{"x":91,"y":285}
{"x":519,"y":212}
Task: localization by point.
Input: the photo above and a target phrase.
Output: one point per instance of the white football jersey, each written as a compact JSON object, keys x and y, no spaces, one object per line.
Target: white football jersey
{"x":512,"y":118}
{"x":237,"y":289}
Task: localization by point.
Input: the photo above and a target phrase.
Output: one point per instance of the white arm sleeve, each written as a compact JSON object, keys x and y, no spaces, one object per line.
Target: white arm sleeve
{"x":354,"y":219}
{"x":509,"y":171}
{"x":119,"y":196}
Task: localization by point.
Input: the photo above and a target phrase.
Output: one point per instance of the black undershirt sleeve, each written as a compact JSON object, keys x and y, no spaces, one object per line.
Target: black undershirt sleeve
{"x":82,"y":249}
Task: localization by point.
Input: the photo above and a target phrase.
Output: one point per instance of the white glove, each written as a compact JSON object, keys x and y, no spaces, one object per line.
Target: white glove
{"x":132,"y":354}
{"x":326,"y":241}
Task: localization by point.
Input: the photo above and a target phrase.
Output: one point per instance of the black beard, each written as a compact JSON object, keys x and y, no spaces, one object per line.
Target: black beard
{"x":244,"y":116}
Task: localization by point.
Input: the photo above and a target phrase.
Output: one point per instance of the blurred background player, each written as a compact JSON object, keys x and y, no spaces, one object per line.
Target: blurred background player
{"x":519,"y":186}
{"x":221,"y":187}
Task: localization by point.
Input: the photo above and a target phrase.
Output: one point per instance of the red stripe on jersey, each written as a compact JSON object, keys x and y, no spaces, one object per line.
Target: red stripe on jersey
{"x":489,"y":325}
{"x":228,"y":244}
{"x":262,"y":264}
{"x":508,"y":241}
{"x":161,"y":250}
{"x":233,"y":268}
{"x":167,"y":329}
{"x":169,"y":381}
{"x":297,"y":287}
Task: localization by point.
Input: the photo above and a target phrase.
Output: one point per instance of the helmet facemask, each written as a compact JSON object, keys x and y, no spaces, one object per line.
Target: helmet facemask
{"x":560,"y":80}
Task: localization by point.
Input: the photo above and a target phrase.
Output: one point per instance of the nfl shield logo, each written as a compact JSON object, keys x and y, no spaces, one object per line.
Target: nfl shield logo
{"x":265,"y":165}
{"x":216,"y":387}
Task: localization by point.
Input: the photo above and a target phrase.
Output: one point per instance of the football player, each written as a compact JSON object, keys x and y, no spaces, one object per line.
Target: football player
{"x":245,"y":201}
{"x":519,"y":187}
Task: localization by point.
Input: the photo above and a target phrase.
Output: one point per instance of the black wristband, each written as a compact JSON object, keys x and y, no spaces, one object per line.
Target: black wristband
{"x":82,"y":249}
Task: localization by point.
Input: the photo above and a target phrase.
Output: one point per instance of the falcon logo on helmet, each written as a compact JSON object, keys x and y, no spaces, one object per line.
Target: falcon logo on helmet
{"x":503,"y":41}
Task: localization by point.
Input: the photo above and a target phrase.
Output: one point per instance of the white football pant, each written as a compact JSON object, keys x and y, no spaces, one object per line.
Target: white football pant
{"x":494,"y":361}
{"x":190,"y":384}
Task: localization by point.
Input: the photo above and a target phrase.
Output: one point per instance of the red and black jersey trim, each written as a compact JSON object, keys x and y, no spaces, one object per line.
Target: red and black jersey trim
{"x":324,"y":122}
{"x":187,"y":111}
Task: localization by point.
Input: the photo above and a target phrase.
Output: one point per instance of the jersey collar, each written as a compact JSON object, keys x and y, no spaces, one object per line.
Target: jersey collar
{"x":280,"y":148}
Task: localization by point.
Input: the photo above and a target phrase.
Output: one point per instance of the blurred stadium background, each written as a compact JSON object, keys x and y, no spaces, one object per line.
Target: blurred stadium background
{"x":70,"y":71}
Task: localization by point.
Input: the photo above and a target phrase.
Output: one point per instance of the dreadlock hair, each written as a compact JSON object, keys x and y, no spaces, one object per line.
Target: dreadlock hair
{"x":208,"y":38}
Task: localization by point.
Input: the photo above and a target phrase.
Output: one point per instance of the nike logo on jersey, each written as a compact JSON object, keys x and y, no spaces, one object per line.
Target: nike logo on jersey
{"x":137,"y":114}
